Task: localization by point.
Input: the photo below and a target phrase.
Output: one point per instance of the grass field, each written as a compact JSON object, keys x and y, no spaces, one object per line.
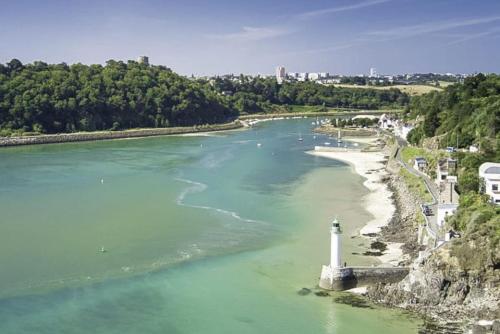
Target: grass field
{"x":416,"y":185}
{"x":409,"y":89}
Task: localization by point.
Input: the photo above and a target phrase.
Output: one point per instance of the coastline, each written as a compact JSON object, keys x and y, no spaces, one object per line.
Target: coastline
{"x":320,"y":114}
{"x":379,"y":201}
{"x":108,"y":135}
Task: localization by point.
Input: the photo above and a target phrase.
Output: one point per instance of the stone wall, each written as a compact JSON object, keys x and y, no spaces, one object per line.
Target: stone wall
{"x":102,"y":135}
{"x":351,"y":277}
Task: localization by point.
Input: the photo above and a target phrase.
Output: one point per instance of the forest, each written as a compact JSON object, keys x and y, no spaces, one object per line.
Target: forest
{"x":44,"y":98}
{"x":54,"y":98}
{"x":462,"y":114}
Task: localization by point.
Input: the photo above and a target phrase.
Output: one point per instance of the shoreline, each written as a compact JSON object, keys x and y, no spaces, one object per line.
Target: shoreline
{"x":378,"y":202}
{"x":110,"y":135}
{"x":319,"y":114}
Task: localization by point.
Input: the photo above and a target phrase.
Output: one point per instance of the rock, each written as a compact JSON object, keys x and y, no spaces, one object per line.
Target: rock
{"x":478,"y":329}
{"x":495,"y":327}
{"x":304,"y":291}
{"x":322,"y":294}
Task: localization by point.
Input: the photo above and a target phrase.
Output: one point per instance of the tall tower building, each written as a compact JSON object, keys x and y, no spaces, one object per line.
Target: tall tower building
{"x":143,"y":60}
{"x":373,"y":72}
{"x":280,"y":74}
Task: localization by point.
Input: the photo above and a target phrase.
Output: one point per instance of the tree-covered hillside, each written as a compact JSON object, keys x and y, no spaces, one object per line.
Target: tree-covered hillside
{"x":59,"y":98}
{"x":466,"y":114}
{"x":43,"y":98}
{"x":250,"y":95}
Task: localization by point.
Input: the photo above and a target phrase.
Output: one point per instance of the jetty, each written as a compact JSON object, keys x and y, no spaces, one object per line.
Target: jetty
{"x":338,"y":276}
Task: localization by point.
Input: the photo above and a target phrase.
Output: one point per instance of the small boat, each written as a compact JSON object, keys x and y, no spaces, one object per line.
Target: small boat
{"x":314,"y":137}
{"x":327,"y":143}
{"x":259,"y":144}
{"x":356,"y":144}
{"x":102,"y":250}
{"x":300,"y":137}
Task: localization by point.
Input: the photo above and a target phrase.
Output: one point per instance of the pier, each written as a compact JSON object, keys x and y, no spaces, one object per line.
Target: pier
{"x":335,"y":276}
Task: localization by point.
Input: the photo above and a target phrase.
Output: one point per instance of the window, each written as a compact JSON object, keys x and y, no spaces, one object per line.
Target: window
{"x":494,"y":187}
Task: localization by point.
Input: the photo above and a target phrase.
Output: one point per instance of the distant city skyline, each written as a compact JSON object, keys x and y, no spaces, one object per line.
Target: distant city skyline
{"x":192,"y":37}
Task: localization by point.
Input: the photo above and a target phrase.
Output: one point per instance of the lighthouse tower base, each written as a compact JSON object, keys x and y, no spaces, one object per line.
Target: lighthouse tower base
{"x":337,"y":278}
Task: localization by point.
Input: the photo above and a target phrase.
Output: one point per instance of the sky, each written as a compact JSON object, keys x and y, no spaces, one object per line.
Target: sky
{"x":254,"y":36}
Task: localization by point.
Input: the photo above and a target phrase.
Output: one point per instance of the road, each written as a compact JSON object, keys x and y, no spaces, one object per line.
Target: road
{"x":431,"y":220}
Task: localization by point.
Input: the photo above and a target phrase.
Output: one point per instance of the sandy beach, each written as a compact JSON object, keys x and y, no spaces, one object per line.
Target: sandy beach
{"x":378,"y":202}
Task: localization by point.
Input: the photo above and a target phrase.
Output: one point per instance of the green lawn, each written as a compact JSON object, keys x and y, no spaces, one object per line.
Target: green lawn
{"x":416,"y":185}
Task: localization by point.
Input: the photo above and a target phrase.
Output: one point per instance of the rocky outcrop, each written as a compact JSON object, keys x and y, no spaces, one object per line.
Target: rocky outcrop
{"x":438,"y":287}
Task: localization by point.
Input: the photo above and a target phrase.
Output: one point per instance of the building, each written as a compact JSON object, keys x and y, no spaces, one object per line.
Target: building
{"x":304,"y":76}
{"x":473,"y":149}
{"x":420,"y":164}
{"x":385,"y":121}
{"x":448,"y":200}
{"x":489,"y":173}
{"x":445,"y":168}
{"x":143,"y":60}
{"x":313,"y":76}
{"x":373,"y":73}
{"x":328,"y":272}
{"x":280,"y":74}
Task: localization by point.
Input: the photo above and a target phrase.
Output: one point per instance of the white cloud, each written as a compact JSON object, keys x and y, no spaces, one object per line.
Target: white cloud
{"x":468,"y":37}
{"x":252,"y":34}
{"x":430,"y":27}
{"x":325,"y":11}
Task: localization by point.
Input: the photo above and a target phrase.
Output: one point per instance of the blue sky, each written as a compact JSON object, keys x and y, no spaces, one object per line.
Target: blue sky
{"x":232,"y":36}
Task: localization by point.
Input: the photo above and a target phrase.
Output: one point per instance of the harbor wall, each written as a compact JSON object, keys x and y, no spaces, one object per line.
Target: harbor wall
{"x":104,"y":135}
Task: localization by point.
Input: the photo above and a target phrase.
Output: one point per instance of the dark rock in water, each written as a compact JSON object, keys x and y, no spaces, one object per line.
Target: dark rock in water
{"x":355,"y":253}
{"x":353,"y":300}
{"x":370,"y":253}
{"x":378,"y":245}
{"x":322,"y":294}
{"x":304,"y":291}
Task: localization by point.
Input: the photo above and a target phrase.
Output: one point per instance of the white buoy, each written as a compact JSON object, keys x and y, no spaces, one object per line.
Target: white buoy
{"x":259,"y":144}
{"x":102,"y":181}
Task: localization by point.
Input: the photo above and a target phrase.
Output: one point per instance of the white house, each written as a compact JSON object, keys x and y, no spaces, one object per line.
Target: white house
{"x":420,"y":164}
{"x":489,"y":172}
{"x":473,"y":149}
{"x":445,"y":210}
{"x":448,"y":200}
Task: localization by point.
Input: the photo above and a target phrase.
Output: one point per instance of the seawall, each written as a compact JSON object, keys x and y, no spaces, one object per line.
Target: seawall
{"x":104,"y":135}
{"x":351,"y":277}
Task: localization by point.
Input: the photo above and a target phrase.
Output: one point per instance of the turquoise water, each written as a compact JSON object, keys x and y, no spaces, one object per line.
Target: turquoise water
{"x":202,"y":234}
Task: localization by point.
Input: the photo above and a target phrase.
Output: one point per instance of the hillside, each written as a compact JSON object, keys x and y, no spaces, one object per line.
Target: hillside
{"x":460,"y":280}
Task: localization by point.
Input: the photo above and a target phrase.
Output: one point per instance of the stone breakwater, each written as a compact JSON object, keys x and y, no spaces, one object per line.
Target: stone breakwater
{"x":104,"y":135}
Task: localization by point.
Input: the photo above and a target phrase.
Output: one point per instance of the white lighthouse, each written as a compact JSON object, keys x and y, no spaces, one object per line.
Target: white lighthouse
{"x":335,"y":232}
{"x":333,"y":274}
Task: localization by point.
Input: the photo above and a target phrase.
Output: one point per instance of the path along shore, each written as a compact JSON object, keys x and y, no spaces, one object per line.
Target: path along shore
{"x":104,"y":135}
{"x":371,"y":166}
